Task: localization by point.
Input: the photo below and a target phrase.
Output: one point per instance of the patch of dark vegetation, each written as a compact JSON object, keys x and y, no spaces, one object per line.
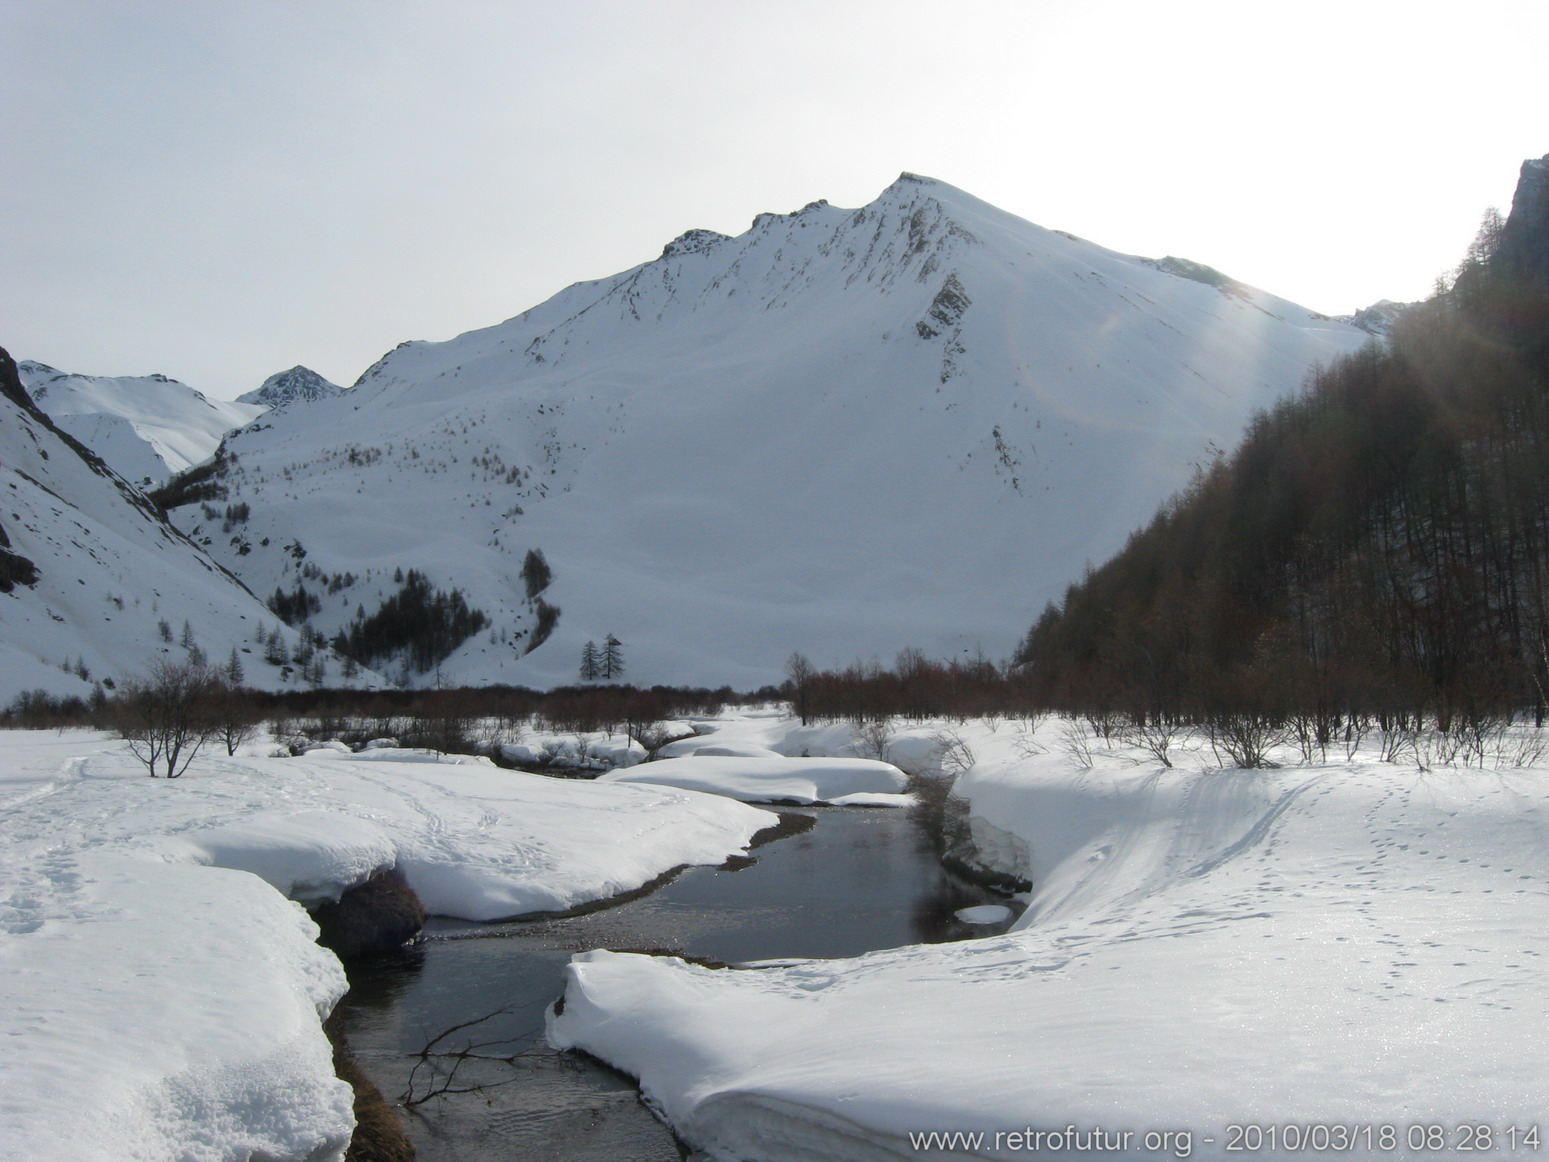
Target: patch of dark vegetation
{"x":379,"y":1135}
{"x":543,"y":628}
{"x":200,"y":484}
{"x":294,"y":607}
{"x":419,"y":624}
{"x":40,"y":710}
{"x":15,"y":570}
{"x":381,"y":915}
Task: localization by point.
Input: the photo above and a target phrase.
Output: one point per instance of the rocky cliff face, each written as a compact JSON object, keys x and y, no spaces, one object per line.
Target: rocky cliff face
{"x":1524,"y":245}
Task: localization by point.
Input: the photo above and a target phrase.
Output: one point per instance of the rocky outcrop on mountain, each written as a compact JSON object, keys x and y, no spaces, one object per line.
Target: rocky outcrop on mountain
{"x":1523,"y":249}
{"x":298,"y":385}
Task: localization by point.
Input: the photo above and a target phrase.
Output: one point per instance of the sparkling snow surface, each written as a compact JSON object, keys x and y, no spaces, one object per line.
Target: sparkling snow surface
{"x":155,"y":1007}
{"x":1353,"y":945}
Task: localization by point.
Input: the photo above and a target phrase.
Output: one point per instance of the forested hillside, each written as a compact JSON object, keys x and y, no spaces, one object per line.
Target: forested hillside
{"x":1377,"y":547}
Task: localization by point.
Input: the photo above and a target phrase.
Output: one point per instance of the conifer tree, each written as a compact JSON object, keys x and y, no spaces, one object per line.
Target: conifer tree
{"x":612,"y":657}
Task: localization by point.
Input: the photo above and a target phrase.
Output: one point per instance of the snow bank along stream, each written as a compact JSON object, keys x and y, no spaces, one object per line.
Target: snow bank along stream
{"x":163,"y":999}
{"x":1215,"y":964}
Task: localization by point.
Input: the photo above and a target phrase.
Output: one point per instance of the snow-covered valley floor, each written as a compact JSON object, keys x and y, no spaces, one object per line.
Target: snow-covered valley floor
{"x":1213,"y":963}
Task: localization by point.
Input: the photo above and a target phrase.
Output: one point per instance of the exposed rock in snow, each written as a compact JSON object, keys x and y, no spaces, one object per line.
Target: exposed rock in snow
{"x":298,"y":385}
{"x":1377,"y":319}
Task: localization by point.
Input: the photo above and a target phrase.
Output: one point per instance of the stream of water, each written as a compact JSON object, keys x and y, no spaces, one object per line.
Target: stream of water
{"x":856,"y":879}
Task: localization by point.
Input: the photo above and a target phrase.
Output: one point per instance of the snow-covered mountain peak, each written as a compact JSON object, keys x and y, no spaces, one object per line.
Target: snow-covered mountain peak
{"x":148,"y":427}
{"x":693,"y":242}
{"x":840,"y":431}
{"x":1377,"y":319}
{"x":298,"y":384}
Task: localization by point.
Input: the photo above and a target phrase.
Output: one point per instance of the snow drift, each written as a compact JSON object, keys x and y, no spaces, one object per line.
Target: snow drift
{"x":758,"y":779}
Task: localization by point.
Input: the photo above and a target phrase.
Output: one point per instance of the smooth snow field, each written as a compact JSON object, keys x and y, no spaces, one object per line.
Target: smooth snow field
{"x":1340,"y":959}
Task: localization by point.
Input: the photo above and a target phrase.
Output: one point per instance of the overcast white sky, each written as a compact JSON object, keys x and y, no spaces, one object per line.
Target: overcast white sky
{"x":218,"y":191}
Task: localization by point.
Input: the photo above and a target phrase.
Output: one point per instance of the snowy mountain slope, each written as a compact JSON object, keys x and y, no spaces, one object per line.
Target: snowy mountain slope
{"x":102,"y":570}
{"x":148,"y":428}
{"x":298,"y":384}
{"x":841,"y":432}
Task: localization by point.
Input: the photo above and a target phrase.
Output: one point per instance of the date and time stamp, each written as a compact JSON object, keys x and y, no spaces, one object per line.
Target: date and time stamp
{"x":1415,"y":1138}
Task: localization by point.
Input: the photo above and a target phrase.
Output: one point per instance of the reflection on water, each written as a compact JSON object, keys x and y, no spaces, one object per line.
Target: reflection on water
{"x":862,"y":879}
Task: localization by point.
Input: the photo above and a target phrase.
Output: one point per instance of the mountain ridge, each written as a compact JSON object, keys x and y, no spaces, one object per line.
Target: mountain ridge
{"x":149,"y":427}
{"x":828,"y":433}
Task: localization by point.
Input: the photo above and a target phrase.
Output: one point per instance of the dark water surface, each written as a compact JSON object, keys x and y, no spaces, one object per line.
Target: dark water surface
{"x":858,"y":880}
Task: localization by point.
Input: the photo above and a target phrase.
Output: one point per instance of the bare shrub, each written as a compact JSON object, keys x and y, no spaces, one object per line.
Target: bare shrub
{"x":233,"y":714}
{"x":872,"y":738}
{"x":1104,"y":723}
{"x":1154,"y":737}
{"x":167,"y":716}
{"x":1526,"y":749}
{"x":1244,"y":738}
{"x":1075,"y":743}
{"x":953,"y":754}
{"x":1357,"y":727}
{"x":1399,"y":738}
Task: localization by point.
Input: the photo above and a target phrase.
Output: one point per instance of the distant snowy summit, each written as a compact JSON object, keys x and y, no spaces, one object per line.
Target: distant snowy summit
{"x":1377,"y":319}
{"x":286,"y":387}
{"x":147,"y":427}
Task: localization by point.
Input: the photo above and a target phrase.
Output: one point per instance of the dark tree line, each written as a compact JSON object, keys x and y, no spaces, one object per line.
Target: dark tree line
{"x":916,"y":687}
{"x":1376,"y":548}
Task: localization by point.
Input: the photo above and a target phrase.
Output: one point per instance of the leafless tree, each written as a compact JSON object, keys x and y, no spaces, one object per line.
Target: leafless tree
{"x":167,"y":716}
{"x":232,"y":713}
{"x":798,"y":674}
